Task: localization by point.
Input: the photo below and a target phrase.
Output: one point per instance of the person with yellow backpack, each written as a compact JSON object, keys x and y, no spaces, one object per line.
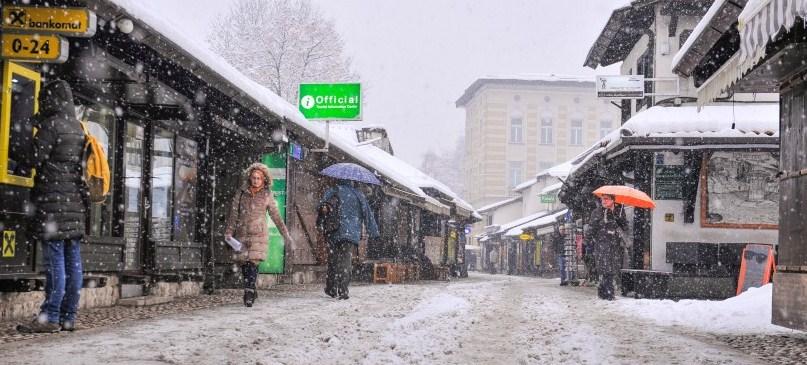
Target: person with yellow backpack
{"x":60,"y":199}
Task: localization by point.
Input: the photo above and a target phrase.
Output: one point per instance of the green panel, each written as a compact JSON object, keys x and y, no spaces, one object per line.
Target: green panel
{"x":275,"y":255}
{"x":330,"y":101}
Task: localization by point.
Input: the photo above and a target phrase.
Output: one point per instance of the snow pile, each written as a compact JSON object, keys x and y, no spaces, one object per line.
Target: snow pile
{"x":749,"y":312}
{"x":435,"y":308}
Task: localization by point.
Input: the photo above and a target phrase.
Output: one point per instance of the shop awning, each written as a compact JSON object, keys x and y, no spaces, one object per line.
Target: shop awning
{"x":759,"y":23}
{"x":541,"y":225}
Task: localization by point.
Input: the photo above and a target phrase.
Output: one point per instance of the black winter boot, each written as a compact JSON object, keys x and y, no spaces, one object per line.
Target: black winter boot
{"x":249,"y":297}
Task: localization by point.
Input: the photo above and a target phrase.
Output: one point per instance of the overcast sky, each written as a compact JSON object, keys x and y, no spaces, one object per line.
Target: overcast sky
{"x":416,"y":57}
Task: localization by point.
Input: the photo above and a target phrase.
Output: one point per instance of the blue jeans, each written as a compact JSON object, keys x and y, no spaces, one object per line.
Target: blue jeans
{"x":562,"y":266}
{"x":63,"y":279}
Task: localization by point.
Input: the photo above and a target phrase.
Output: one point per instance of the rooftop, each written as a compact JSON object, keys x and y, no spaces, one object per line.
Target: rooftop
{"x":526,"y":79}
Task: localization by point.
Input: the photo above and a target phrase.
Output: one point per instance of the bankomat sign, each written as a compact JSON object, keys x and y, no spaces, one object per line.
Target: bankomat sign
{"x":621,"y":86}
{"x":330,"y":101}
{"x":74,"y":22}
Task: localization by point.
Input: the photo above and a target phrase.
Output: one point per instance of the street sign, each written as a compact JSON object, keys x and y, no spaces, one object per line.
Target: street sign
{"x":525,"y":237}
{"x":330,"y":101}
{"x":621,"y":86}
{"x":75,"y":22}
{"x":34,"y":47}
{"x":547,"y":198}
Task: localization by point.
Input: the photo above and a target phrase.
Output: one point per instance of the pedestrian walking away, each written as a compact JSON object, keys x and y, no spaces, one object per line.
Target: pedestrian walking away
{"x":60,"y":199}
{"x":558,"y":244}
{"x":606,"y":222}
{"x":341,"y":213}
{"x":246,"y":222}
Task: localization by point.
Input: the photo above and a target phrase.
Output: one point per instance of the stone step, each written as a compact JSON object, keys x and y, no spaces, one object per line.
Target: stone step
{"x":144,"y":301}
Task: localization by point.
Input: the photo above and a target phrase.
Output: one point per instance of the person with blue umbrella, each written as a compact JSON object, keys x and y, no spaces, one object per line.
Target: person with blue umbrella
{"x":342,"y":212}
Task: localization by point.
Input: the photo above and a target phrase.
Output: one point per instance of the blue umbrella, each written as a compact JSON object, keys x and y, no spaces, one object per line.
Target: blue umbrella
{"x":351,"y":171}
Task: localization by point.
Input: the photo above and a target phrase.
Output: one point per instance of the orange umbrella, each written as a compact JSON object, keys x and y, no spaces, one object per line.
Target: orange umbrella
{"x":626,"y":195}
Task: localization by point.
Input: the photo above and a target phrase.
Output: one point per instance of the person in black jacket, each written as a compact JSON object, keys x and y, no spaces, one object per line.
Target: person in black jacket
{"x":60,"y":202}
{"x":605,"y":222}
{"x":558,"y":244}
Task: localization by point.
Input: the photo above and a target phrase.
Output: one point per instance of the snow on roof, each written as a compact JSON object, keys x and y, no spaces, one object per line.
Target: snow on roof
{"x":404,"y":170}
{"x":537,"y":223}
{"x":509,"y":225}
{"x":750,"y":120}
{"x":696,"y":33}
{"x":713,"y":121}
{"x":526,"y":79}
{"x":526,"y":184}
{"x":552,"y":187}
{"x":499,"y":204}
{"x":550,"y":77}
{"x":387,"y":165}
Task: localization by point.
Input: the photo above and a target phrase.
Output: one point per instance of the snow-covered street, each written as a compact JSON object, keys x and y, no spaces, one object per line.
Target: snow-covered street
{"x":480,"y":320}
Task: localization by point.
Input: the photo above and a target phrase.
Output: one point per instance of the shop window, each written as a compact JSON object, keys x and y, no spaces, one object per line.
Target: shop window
{"x":432,"y":225}
{"x":132,"y":176}
{"x":185,"y":179}
{"x":100,"y":122}
{"x":162,"y":183}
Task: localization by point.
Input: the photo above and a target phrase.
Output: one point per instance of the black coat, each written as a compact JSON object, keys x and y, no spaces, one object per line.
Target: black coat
{"x":604,"y":235}
{"x":59,"y":195}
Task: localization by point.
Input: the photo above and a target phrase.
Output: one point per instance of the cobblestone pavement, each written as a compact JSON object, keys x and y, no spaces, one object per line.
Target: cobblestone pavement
{"x":106,"y":316}
{"x":776,"y":349}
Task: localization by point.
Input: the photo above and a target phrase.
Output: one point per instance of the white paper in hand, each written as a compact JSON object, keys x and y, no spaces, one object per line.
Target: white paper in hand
{"x":234,"y":243}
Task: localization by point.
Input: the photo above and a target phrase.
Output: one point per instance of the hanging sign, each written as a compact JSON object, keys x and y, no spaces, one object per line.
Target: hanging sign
{"x":547,"y":198}
{"x":525,"y":237}
{"x":74,"y":22}
{"x":34,"y":48}
{"x":620,"y":86}
{"x":330,"y":101}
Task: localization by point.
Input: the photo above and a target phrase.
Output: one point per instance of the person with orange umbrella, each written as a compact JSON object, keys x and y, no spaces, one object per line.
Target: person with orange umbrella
{"x":607,"y":222}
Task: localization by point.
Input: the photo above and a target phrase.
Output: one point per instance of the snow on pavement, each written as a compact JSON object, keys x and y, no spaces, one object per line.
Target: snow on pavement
{"x":481,"y":320}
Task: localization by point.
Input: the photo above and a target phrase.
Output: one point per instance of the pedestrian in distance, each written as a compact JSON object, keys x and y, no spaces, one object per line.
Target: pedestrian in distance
{"x":342,"y":212}
{"x":606,"y":222}
{"x":60,"y":201}
{"x":246,"y":222}
{"x":559,"y":244}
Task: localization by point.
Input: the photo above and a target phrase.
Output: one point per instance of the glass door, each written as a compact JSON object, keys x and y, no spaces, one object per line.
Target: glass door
{"x":133,"y":177}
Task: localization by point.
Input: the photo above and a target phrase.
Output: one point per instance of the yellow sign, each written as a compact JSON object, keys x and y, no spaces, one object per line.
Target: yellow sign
{"x":35,"y":47}
{"x":75,"y":22}
{"x":525,"y":237}
{"x":9,"y":243}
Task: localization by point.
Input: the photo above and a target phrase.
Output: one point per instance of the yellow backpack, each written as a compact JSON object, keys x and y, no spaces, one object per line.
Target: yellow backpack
{"x":96,"y":167}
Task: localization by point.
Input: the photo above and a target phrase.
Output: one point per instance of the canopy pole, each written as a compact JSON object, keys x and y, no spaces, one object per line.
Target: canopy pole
{"x":327,"y":138}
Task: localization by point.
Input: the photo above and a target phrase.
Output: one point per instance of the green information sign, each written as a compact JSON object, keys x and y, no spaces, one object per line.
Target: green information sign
{"x":669,"y":182}
{"x":330,"y":101}
{"x":275,"y":255}
{"x":547,"y":198}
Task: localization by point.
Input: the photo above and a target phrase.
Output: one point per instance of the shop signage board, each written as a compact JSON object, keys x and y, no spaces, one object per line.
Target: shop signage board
{"x":275,"y":255}
{"x":525,"y":237}
{"x":620,"y":86}
{"x":73,"y":22}
{"x":330,"y":101}
{"x":669,"y":182}
{"x":547,"y":198}
{"x":22,"y":47}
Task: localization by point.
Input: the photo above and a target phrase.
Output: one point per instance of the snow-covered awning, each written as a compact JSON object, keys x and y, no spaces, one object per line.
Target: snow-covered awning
{"x":718,"y":20}
{"x":541,"y":225}
{"x":551,"y":188}
{"x":509,"y":225}
{"x":498,"y":204}
{"x":759,"y":23}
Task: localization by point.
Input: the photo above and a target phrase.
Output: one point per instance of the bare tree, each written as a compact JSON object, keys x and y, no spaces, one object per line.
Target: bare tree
{"x":447,"y":166}
{"x":281,"y":43}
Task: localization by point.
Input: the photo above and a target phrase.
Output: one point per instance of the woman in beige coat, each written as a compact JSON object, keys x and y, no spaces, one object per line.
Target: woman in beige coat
{"x":247,"y":222}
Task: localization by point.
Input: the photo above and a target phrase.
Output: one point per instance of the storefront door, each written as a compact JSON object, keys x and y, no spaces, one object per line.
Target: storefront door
{"x":133,"y":207}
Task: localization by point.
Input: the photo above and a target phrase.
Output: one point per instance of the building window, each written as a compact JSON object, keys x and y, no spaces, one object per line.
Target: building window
{"x":489,"y":220}
{"x":546,"y":130}
{"x":515,"y":173}
{"x":605,"y":127}
{"x":576,"y":133}
{"x":516,"y":130}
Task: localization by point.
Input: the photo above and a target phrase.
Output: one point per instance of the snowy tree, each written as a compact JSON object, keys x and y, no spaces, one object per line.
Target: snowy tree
{"x":281,"y":43}
{"x":446,"y":166}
